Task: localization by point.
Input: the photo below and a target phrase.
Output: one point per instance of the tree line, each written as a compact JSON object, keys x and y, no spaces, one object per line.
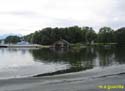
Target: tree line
{"x":74,"y":34}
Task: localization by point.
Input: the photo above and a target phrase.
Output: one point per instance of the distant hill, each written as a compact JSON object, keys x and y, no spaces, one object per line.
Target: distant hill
{"x":3,"y":36}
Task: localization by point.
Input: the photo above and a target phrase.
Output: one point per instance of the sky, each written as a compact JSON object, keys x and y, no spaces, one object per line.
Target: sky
{"x":27,"y":16}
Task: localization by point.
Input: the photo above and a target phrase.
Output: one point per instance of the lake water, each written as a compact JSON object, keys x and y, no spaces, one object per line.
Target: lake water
{"x":19,"y":62}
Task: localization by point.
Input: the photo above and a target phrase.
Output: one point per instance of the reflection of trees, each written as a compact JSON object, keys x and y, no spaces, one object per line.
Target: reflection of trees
{"x":72,"y":69}
{"x":120,"y":54}
{"x":78,"y":60}
{"x":106,"y":56}
{"x":10,"y":50}
{"x":22,"y":50}
{"x":110,"y":56}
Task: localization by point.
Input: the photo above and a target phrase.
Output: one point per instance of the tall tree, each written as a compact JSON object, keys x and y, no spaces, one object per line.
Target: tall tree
{"x":72,"y":34}
{"x":106,"y":35}
{"x":90,"y":35}
{"x":120,"y":36}
{"x":12,"y":39}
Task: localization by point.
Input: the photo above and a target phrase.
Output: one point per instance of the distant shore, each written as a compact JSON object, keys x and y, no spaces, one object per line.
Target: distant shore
{"x":77,"y":45}
{"x":21,"y":46}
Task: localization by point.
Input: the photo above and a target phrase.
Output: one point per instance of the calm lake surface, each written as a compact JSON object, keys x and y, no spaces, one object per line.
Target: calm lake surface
{"x":18,"y":62}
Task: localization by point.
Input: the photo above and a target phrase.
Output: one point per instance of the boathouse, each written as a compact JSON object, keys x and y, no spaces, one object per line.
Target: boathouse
{"x":61,"y":44}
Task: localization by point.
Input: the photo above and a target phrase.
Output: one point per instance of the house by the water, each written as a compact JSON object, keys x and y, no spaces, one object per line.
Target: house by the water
{"x":61,"y":44}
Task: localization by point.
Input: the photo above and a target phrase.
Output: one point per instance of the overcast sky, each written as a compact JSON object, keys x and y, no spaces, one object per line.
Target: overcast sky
{"x":26,"y":16}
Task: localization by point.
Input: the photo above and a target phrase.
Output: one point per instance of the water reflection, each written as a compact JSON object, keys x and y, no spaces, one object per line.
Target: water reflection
{"x":52,"y":61}
{"x":106,"y":56}
{"x":10,"y":57}
{"x":77,"y":59}
{"x":81,"y":59}
{"x":111,"y":56}
{"x":120,"y":55}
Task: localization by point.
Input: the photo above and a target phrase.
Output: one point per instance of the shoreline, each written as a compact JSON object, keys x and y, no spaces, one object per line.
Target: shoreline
{"x":97,"y":72}
{"x":79,"y":81}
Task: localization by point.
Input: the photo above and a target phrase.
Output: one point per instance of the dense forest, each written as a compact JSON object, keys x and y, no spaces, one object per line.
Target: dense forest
{"x":74,"y":34}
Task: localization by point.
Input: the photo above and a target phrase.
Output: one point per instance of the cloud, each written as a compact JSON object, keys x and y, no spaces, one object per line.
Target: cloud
{"x":26,"y":16}
{"x":18,"y":13}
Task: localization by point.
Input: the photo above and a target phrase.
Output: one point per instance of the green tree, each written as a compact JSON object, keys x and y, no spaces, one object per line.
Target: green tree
{"x":120,"y":36}
{"x":73,"y":34}
{"x":28,"y":37}
{"x":12,"y":39}
{"x":90,"y":35}
{"x":106,"y":35}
